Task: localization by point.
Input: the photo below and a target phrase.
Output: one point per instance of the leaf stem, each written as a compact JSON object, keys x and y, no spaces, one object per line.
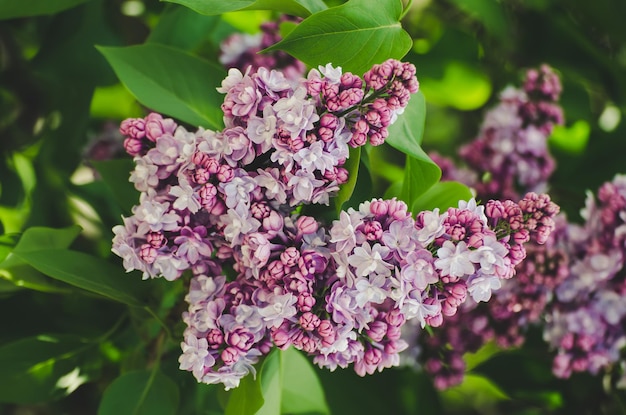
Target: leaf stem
{"x":406,"y":10}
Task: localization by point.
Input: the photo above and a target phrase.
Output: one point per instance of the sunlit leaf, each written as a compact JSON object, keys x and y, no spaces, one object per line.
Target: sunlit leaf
{"x":301,"y":8}
{"x":140,"y":393}
{"x":463,"y":86}
{"x":406,"y":133}
{"x":24,"y":8}
{"x":420,"y":174}
{"x":442,"y":195}
{"x":170,"y":81}
{"x":85,"y":271}
{"x":20,"y":273}
{"x":302,"y":391}
{"x":246,"y":399}
{"x":571,"y":139}
{"x":355,"y":36}
{"x":41,"y":368}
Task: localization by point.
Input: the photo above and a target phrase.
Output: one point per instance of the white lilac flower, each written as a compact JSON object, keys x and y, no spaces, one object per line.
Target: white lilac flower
{"x":479,"y":286}
{"x":196,"y":357}
{"x":186,"y":196}
{"x":269,"y":179}
{"x":489,"y":256}
{"x":202,"y":288}
{"x":262,"y":130}
{"x":454,"y":260}
{"x":303,"y":183}
{"x":154,"y":216}
{"x":238,"y":223}
{"x":432,"y":226}
{"x":238,"y":191}
{"x":211,"y":144}
{"x":368,"y":260}
{"x":144,"y":176}
{"x":342,"y":233}
{"x":296,"y":112}
{"x":370,"y":290}
{"x":415,"y":308}
{"x":281,"y":307}
{"x":169,"y":266}
{"x":472,"y":206}
{"x":399,"y":236}
{"x":314,"y":157}
{"x":332,"y":74}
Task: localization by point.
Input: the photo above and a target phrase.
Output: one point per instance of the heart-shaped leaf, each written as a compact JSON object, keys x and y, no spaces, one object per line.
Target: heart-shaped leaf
{"x":301,"y":8}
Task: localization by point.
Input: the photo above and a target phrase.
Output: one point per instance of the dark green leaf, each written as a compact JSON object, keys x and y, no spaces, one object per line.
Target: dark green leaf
{"x":442,"y":195}
{"x":420,"y":174}
{"x":302,"y":391}
{"x":406,"y":133}
{"x":355,"y":36}
{"x":301,"y":8}
{"x":140,"y":392}
{"x":115,"y":173}
{"x":346,"y":189}
{"x":170,"y":81}
{"x":85,"y":271}
{"x":41,"y":368}
{"x":182,"y":28}
{"x":10,"y":9}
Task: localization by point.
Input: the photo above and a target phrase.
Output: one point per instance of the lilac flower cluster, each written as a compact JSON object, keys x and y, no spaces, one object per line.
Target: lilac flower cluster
{"x":241,"y":51}
{"x":510,"y":154}
{"x":216,"y":201}
{"x":586,"y":322}
{"x":343,"y":295}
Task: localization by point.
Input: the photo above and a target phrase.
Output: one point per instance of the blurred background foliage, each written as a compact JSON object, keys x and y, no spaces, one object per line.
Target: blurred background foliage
{"x":60,"y":104}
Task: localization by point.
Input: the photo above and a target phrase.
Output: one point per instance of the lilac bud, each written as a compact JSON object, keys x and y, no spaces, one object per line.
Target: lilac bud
{"x":273,"y":223}
{"x":240,"y":338}
{"x":377,"y":330}
{"x":133,"y":146}
{"x":215,"y":338}
{"x":281,"y":338}
{"x":373,"y":230}
{"x":225,"y":173}
{"x":306,"y":225}
{"x":395,"y":318}
{"x":309,"y":321}
{"x":147,"y":253}
{"x":133,"y":128}
{"x":230,"y":356}
{"x":289,"y":257}
{"x":156,"y":239}
{"x":341,"y":175}
{"x":379,"y":207}
{"x":325,"y":329}
{"x":276,"y":269}
{"x":306,"y":302}
{"x":156,"y":126}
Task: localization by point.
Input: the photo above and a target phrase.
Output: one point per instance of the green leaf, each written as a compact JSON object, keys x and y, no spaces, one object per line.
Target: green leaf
{"x":247,"y":398}
{"x":572,"y":140}
{"x":38,"y":238}
{"x":442,"y":195}
{"x":288,"y":384}
{"x":115,"y":174}
{"x":346,"y":189}
{"x":463,"y":86}
{"x":85,"y":271}
{"x":24,"y":8}
{"x":301,"y":8}
{"x":420,"y":174}
{"x":18,"y":272}
{"x":182,"y":28}
{"x":407,"y":132}
{"x":41,"y":368}
{"x":355,"y":36}
{"x":302,"y":391}
{"x":170,"y":81}
{"x":477,"y":391}
{"x":140,"y":392}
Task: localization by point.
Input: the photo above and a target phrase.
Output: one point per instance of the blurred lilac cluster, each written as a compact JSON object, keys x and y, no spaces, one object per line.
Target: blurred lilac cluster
{"x":241,"y":51}
{"x":586,"y":321}
{"x":225,"y":205}
{"x":574,"y":284}
{"x":510,"y":154}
